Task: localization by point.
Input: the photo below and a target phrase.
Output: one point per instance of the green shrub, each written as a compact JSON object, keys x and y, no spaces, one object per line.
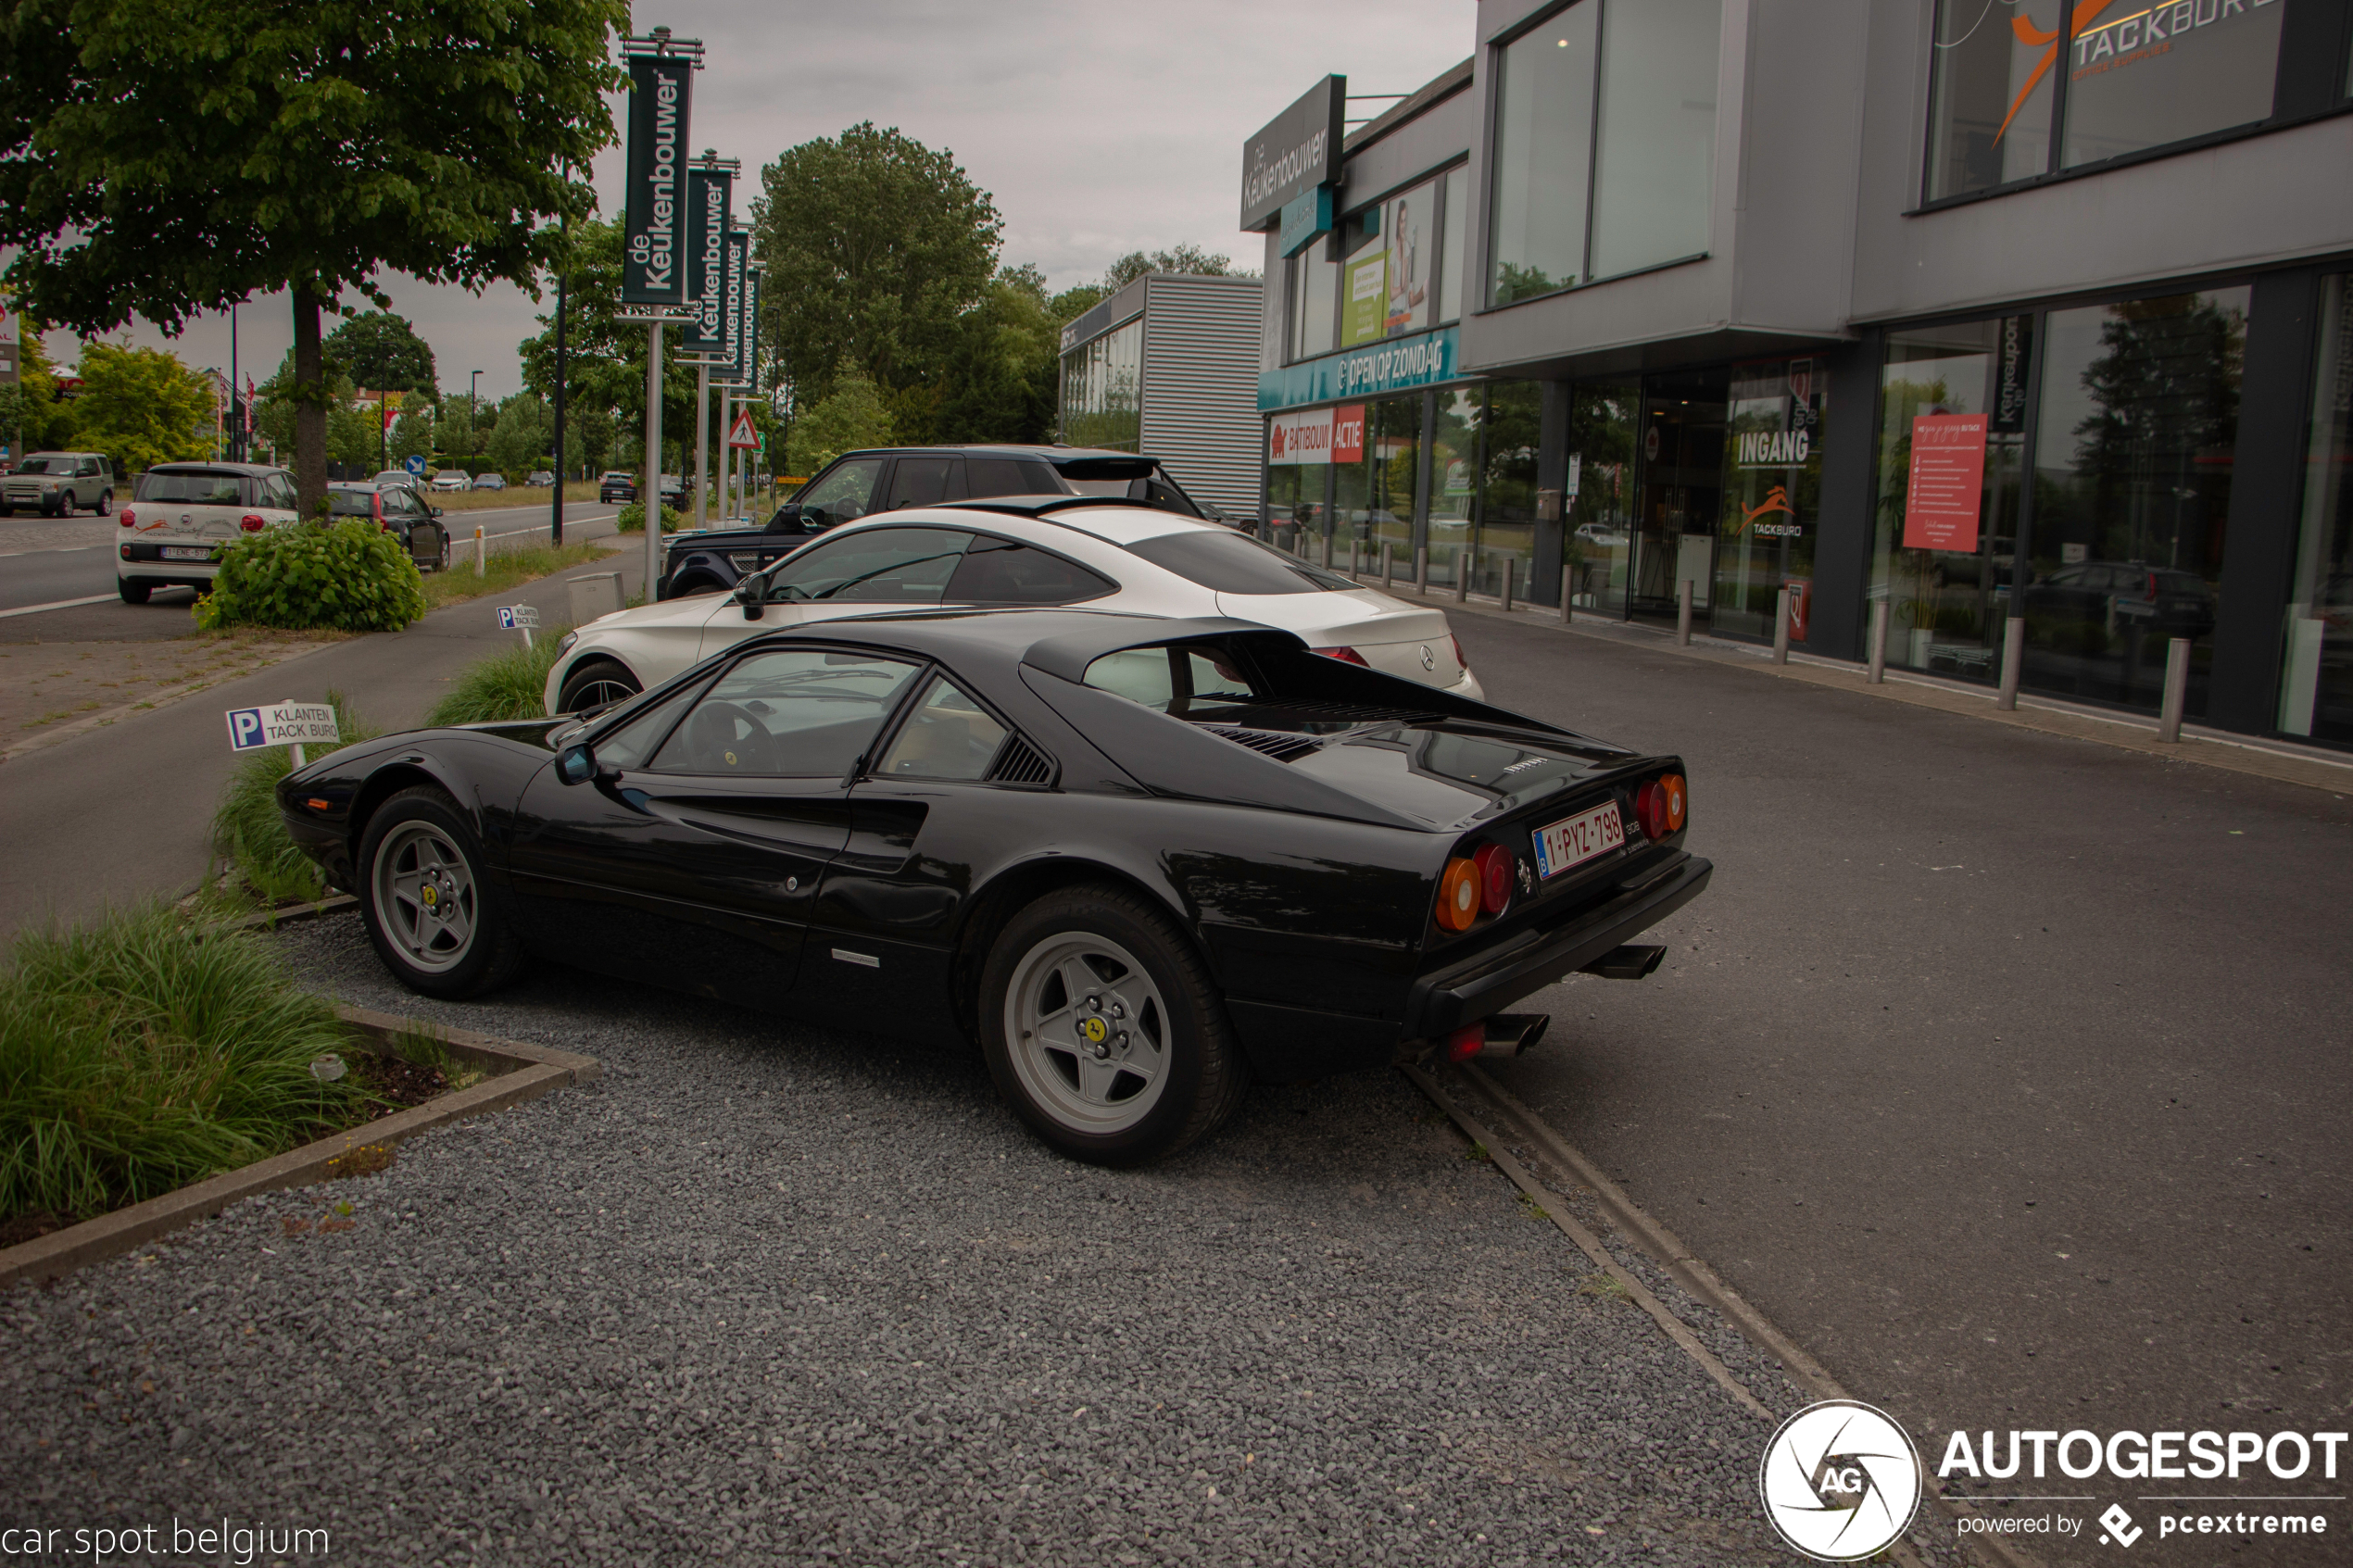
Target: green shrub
{"x":140,"y":1055}
{"x":508,"y":685}
{"x":347,"y":578}
{"x":248,"y":830}
{"x":633,"y":518}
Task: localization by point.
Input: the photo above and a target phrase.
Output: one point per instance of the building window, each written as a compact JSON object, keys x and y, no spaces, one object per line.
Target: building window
{"x":1456,"y":215}
{"x":1772,"y":496}
{"x":2003,"y":77}
{"x":1604,"y":143}
{"x":1373,"y":493}
{"x":2316,"y":684}
{"x":1313,"y":286}
{"x":1387,"y":280}
{"x":1102,"y":390}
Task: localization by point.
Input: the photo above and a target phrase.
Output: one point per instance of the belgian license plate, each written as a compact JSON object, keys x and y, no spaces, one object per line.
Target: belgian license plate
{"x":1578,"y":839}
{"x":187,"y":552}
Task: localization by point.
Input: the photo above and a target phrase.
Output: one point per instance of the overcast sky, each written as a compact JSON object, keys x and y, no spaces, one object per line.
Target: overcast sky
{"x":1098,"y":129}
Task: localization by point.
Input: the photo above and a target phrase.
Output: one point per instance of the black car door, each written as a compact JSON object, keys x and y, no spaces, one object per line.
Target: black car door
{"x":698,"y":867}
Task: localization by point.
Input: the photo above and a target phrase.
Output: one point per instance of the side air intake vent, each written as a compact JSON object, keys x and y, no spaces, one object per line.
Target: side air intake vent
{"x":1021,"y":763}
{"x":1281,"y":748}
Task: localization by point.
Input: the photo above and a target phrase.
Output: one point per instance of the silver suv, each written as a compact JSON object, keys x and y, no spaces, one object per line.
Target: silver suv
{"x":57,"y":484}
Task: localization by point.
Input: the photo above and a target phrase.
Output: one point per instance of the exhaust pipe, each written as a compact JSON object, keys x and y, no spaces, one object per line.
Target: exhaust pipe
{"x":1634,"y":961}
{"x":1506,"y":1033}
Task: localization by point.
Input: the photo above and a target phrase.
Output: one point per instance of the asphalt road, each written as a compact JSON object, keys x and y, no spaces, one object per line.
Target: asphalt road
{"x":120,"y":813}
{"x":2006,"y":1071}
{"x":57,"y":561}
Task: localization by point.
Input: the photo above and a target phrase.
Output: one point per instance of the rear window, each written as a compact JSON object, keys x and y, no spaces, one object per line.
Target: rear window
{"x":199,"y":488}
{"x":351,"y":502}
{"x":1182,"y":680}
{"x":1225,"y":562}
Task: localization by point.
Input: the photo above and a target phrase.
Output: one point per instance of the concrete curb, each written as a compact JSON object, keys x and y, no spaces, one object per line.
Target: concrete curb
{"x":520,"y":1073}
{"x":106,"y":716}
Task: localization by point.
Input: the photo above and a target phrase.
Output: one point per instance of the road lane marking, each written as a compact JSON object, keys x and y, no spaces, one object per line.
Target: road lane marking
{"x":61,"y":604}
{"x":52,"y":550}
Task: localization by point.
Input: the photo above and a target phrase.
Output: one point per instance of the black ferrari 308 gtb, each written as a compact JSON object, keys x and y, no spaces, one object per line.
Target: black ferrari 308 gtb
{"x":1139,"y":861}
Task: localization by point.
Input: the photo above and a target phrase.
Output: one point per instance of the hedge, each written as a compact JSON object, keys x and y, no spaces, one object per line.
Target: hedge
{"x":299,"y":576}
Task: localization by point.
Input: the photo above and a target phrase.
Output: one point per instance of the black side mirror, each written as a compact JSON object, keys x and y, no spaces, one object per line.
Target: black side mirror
{"x":576,"y":764}
{"x":787,"y":520}
{"x":435,"y":510}
{"x":753,"y":593}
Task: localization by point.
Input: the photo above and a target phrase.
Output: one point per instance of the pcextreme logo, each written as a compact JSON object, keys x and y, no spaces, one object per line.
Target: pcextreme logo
{"x":1840,"y":1481}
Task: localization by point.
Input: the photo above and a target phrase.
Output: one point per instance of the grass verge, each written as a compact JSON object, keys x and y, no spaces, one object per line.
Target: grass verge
{"x":505,"y":568}
{"x":138,"y":1055}
{"x":248,"y":830}
{"x":508,"y":685}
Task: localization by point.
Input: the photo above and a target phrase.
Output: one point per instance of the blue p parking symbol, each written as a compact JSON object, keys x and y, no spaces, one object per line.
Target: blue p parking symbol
{"x":245,"y":730}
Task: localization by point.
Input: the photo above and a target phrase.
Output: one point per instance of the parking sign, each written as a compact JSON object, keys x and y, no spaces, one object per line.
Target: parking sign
{"x":245,"y":729}
{"x":514,"y":618}
{"x":280,"y":724}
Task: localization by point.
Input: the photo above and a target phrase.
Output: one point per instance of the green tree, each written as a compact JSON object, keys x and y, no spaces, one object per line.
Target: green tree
{"x":41,"y":420}
{"x":1190,"y":259}
{"x":523,"y":437}
{"x":411,"y":435}
{"x":141,"y":407}
{"x":158,"y":158}
{"x":605,"y":358}
{"x":876,"y":246}
{"x":1000,"y":379}
{"x":852,"y":416}
{"x":382,"y":352}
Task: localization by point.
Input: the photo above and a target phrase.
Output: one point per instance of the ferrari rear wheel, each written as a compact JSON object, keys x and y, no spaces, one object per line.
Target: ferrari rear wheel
{"x":432,"y":920}
{"x":1101,"y":1027}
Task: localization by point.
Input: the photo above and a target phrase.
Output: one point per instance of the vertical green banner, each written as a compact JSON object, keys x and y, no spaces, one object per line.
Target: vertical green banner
{"x":1366,"y":318}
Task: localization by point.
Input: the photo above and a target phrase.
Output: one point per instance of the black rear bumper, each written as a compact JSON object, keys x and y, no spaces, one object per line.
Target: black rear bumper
{"x":1487,"y":983}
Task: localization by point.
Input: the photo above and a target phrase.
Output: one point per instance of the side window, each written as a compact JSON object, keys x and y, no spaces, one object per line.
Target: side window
{"x":627,"y":747}
{"x":948,"y":736}
{"x":998,"y":571}
{"x":788,"y":713}
{"x":926,"y":481}
{"x":278,"y":492}
{"x":1166,"y":496}
{"x":1003,"y":476}
{"x":1139,"y":674}
{"x":872,"y":566}
{"x":89,"y":469}
{"x":843,"y":493}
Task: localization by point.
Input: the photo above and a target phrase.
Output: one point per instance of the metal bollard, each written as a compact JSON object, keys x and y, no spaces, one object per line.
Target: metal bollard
{"x":2177,"y":690}
{"x":1388,"y":563}
{"x":1465,"y":558}
{"x":1683,"y":613}
{"x":1568,"y":577}
{"x":1878,"y":644}
{"x":1421,"y":568}
{"x":1328,"y":552}
{"x":2013,"y":654}
{"x":480,"y":557}
{"x":1507,"y":585}
{"x":1780,"y":625}
{"x":1353,"y":569}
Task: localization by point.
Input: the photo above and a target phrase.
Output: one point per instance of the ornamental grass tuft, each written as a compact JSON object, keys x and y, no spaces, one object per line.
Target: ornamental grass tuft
{"x":510,"y":684}
{"x":248,"y":830}
{"x":138,"y":1055}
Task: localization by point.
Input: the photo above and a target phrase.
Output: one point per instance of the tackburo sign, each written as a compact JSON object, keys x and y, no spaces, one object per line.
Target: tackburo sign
{"x":653,"y":269}
{"x":1298,"y":150}
{"x":708,"y":195}
{"x":280,"y":724}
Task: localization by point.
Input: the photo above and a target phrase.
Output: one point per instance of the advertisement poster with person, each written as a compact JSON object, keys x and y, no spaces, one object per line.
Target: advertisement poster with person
{"x":1408,"y":252}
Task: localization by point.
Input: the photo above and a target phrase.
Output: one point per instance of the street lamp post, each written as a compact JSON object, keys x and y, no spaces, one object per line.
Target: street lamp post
{"x":474,"y":410}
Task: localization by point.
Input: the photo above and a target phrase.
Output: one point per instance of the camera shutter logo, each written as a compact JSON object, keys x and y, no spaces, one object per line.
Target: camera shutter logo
{"x":1840,"y":1481}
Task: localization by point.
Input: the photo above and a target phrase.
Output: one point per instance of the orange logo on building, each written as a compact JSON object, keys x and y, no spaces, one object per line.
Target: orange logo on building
{"x":1776,"y":500}
{"x":2031,"y":35}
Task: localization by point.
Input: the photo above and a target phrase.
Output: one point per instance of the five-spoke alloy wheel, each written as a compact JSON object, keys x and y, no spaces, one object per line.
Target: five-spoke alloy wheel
{"x":432,"y":919}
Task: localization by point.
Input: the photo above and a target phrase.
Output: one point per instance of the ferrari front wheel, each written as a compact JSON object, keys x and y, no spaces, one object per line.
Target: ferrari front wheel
{"x":1101,"y":1027}
{"x":432,"y":920}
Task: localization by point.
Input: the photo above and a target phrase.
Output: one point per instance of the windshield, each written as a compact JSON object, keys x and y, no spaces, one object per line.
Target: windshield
{"x":199,"y":489}
{"x":1227,"y":562}
{"x":41,"y":465}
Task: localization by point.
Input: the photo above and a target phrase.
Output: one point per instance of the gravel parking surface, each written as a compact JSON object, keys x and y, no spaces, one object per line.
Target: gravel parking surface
{"x":802,"y":1297}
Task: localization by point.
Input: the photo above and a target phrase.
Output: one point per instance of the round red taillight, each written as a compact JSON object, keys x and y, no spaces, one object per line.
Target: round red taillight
{"x":250,"y":523}
{"x":1458,"y":894}
{"x":1650,"y":812}
{"x":1498,"y":868}
{"x":128,"y":518}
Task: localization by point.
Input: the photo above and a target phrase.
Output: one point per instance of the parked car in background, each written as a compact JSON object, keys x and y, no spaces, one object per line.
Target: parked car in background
{"x":59,"y":484}
{"x":540,"y":479}
{"x":181,"y":514}
{"x":452,"y":479}
{"x":397,"y":509}
{"x":1138,"y":863}
{"x":2124,"y":595}
{"x":859,"y":483}
{"x":673,"y":492}
{"x":490,"y":481}
{"x":1116,"y":554}
{"x":396,"y":476}
{"x":617,"y":484}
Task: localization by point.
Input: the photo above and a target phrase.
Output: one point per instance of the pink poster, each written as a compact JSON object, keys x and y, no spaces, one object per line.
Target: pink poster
{"x":1947,"y":483}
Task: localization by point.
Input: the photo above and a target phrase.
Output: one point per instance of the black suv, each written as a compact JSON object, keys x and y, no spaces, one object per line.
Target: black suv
{"x":862,"y":483}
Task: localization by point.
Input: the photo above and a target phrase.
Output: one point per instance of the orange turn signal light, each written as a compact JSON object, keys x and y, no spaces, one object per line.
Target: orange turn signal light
{"x":1458,"y":894}
{"x":1670,"y":789}
{"x":316,"y":804}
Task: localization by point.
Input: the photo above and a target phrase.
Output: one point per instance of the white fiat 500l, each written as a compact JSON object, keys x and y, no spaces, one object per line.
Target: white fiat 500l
{"x":181,"y":515}
{"x":1024,"y":552}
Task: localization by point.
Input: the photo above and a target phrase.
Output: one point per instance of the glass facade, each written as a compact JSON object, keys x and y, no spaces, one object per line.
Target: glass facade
{"x":1510,"y":433}
{"x":1604,"y":431}
{"x":1103,"y":381}
{"x":1392,"y":270}
{"x":1772,"y":497}
{"x":1946,"y":577}
{"x":2002,"y":78}
{"x":2315,"y":681}
{"x":1453,"y":480}
{"x":1604,"y":143}
{"x":1373,"y":496}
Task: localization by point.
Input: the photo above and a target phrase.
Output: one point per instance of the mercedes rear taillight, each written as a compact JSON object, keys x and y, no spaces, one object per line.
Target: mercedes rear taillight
{"x":1346,"y":655}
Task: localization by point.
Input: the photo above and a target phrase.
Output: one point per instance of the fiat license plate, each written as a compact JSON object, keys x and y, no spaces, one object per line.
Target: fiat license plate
{"x":187,"y":552}
{"x":1579,"y":839}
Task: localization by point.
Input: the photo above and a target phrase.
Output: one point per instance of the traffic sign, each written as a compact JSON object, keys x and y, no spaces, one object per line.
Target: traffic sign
{"x":514,"y":618}
{"x":282,"y":723}
{"x":414,"y":465}
{"x":741,"y":432}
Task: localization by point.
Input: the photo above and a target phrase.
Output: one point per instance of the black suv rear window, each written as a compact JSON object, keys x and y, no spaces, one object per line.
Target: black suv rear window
{"x":1227,"y":562}
{"x":200,"y":488}
{"x":351,"y":502}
